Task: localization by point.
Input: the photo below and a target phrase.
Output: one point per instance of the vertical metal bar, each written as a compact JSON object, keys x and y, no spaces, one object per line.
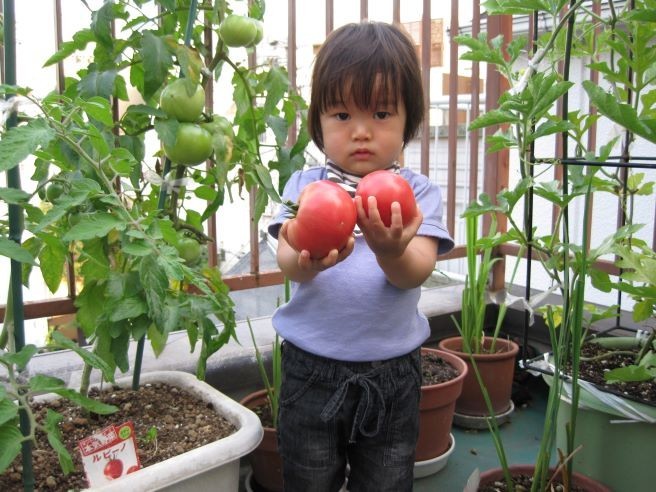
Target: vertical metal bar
{"x":61,"y":78}
{"x":425,"y":76}
{"x":330,"y":16}
{"x":396,"y":12}
{"x":212,"y":247}
{"x":254,"y":240}
{"x":475,"y":110}
{"x":364,"y":9}
{"x":291,"y":61}
{"x":452,"y":141}
{"x":496,"y":163}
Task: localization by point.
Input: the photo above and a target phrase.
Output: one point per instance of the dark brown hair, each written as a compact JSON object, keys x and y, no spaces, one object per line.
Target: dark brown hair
{"x":366,"y":61}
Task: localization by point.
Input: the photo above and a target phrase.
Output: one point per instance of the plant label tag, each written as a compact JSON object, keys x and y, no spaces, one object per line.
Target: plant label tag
{"x":109,"y":454}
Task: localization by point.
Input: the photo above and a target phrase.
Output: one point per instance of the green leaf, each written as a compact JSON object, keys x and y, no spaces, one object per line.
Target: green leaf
{"x":12,"y":250}
{"x":628,"y":373}
{"x":95,"y":263}
{"x":621,"y":113}
{"x":21,"y":141}
{"x":14,"y":196}
{"x":45,"y":384}
{"x":54,"y":438}
{"x":137,"y":248}
{"x":97,"y":83}
{"x":96,"y":225}
{"x":8,"y":410}
{"x":85,"y":402}
{"x":90,"y":304}
{"x":10,"y":444}
{"x":89,"y":357}
{"x":52,"y":259}
{"x":276,"y":84}
{"x":67,"y":48}
{"x":127,"y":308}
{"x":643,"y":310}
{"x":157,"y":61}
{"x":99,"y":109}
{"x":20,"y":359}
{"x":279,"y":127}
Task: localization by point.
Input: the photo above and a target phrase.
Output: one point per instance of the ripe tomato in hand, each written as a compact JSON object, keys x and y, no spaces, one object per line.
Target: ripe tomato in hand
{"x":387,"y":187}
{"x":113,"y":469}
{"x":324,"y":221}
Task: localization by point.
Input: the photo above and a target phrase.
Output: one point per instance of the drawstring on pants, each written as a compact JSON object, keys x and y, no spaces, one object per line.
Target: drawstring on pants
{"x":364,"y":422}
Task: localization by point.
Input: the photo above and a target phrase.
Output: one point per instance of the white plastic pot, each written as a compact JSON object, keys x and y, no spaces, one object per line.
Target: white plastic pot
{"x":212,"y":467}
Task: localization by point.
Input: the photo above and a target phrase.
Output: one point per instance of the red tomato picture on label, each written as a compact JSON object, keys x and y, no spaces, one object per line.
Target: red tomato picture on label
{"x":113,"y":469}
{"x":387,"y":187}
{"x":324,"y":221}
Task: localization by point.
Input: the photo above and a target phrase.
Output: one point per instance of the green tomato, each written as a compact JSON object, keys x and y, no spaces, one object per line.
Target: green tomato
{"x":260,"y":32}
{"x":237,"y":30}
{"x":189,"y":250}
{"x":54,"y":191}
{"x":193,"y":145}
{"x":222,"y":137}
{"x":183,"y":100}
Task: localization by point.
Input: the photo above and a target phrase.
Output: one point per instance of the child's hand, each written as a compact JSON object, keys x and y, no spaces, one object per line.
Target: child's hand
{"x":386,"y":241}
{"x":308,"y":264}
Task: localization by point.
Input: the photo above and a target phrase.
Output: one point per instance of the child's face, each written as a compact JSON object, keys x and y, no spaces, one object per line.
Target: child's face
{"x":363,"y":140}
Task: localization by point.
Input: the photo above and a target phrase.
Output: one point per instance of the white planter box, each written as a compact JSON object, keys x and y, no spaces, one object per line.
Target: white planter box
{"x":213,"y":467}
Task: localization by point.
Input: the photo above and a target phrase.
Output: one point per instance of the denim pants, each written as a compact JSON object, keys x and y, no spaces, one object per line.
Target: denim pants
{"x":333,"y":413}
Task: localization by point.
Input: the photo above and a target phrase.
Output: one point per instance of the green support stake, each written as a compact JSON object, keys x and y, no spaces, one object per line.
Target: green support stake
{"x":15,"y":234}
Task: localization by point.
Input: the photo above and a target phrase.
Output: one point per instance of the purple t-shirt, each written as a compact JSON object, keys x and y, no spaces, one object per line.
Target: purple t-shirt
{"x":350,"y":311}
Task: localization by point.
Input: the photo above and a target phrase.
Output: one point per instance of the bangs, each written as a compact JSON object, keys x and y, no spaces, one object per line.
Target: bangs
{"x":368,"y":89}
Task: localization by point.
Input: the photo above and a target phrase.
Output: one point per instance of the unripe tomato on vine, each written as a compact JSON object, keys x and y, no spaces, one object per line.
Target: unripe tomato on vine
{"x":238,"y":30}
{"x":193,"y":145}
{"x":183,"y":100}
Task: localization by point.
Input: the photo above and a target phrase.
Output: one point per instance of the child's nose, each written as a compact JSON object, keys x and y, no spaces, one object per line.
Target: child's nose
{"x":361,"y":130}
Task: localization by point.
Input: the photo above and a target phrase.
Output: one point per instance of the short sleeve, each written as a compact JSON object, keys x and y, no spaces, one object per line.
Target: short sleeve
{"x":429,"y":200}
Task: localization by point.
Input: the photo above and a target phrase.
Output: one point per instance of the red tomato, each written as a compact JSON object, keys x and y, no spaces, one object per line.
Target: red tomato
{"x":113,"y":469}
{"x":387,"y":187}
{"x":324,"y":221}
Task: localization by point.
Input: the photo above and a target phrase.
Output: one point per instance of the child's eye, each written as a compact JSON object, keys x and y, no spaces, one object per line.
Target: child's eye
{"x":342,"y":116}
{"x":381,"y":115}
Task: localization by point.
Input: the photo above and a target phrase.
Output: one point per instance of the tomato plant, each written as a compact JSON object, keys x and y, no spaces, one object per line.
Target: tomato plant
{"x":183,"y":100}
{"x":113,"y":469}
{"x":324,"y":220}
{"x":193,"y":145}
{"x":237,"y":30}
{"x":116,"y":205}
{"x":387,"y":187}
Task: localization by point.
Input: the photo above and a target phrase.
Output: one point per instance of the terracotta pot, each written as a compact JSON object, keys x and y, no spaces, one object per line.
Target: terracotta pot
{"x":497,"y":371}
{"x":265,"y":460}
{"x":581,"y":481}
{"x":436,"y":408}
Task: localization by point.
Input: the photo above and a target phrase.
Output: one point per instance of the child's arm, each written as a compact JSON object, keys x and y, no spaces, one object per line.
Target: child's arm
{"x":299,"y":267}
{"x":406,"y":259}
